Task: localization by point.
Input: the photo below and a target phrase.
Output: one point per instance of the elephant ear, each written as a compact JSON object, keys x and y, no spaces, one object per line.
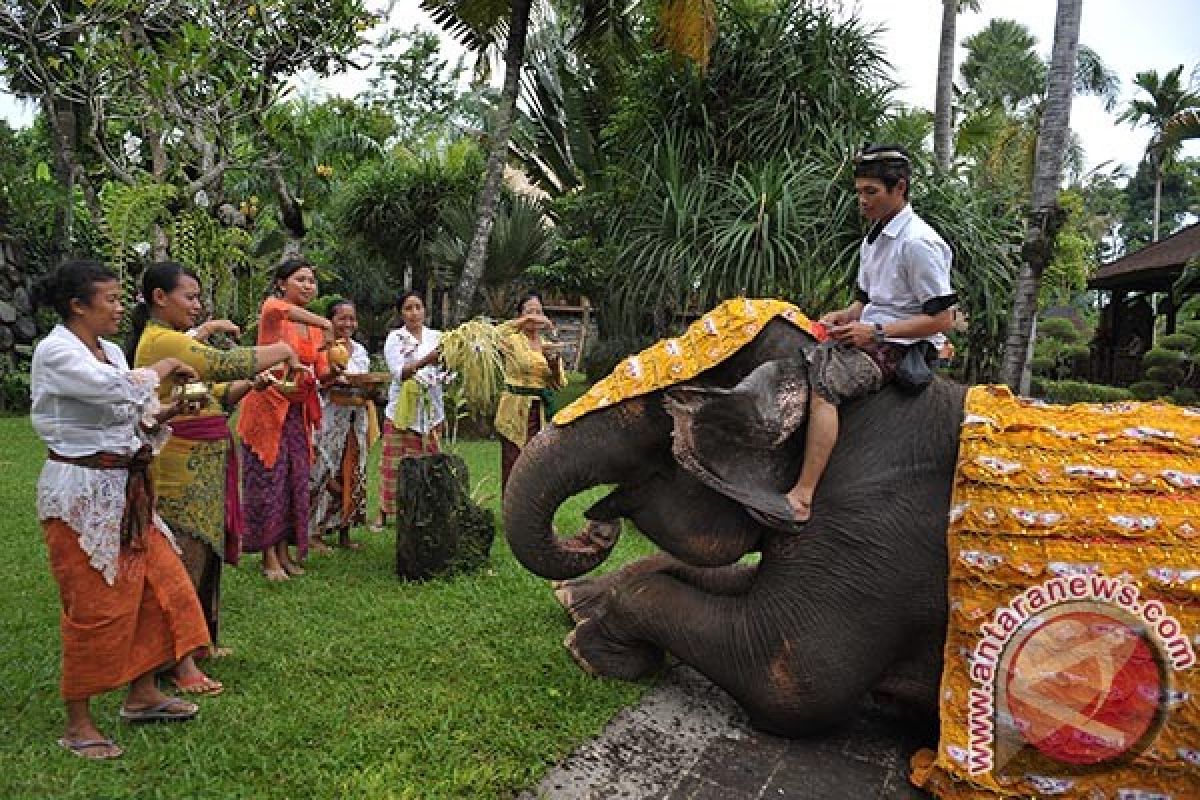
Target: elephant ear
{"x":740,"y":441}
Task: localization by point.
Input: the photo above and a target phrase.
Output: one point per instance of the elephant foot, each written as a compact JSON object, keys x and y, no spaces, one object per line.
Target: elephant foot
{"x":600,"y":656}
{"x":569,"y":643}
{"x":581,"y":599}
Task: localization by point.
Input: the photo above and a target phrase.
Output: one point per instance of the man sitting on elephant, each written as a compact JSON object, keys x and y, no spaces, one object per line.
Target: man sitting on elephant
{"x":904,"y":300}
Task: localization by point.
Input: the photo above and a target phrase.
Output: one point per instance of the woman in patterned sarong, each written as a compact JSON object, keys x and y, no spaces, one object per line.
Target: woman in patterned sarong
{"x":196,"y":473}
{"x":128,"y":608}
{"x":276,"y":425}
{"x":339,"y":475}
{"x":533,"y":371}
{"x":415,"y":414}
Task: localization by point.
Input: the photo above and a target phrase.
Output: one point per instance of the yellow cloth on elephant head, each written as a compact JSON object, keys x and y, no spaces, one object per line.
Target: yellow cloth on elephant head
{"x":1074,"y":587}
{"x":707,"y":342}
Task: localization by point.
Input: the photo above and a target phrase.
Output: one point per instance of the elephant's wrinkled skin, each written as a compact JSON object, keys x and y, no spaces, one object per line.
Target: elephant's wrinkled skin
{"x":855,"y":601}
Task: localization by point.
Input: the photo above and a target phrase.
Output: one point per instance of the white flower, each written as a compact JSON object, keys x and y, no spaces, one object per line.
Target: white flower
{"x":172,"y":137}
{"x":142,"y":249}
{"x":131,"y":145}
{"x":201,"y":199}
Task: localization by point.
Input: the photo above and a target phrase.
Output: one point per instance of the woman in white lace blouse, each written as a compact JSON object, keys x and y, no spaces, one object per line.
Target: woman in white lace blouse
{"x":128,"y":607}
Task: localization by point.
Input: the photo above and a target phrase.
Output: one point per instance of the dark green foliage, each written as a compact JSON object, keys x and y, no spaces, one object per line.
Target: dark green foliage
{"x":393,"y":209}
{"x":1160,"y":357}
{"x":1171,"y":375}
{"x":1177,"y":341}
{"x":1044,"y":365}
{"x":1076,"y":351}
{"x":14,"y":386}
{"x":1059,"y":348}
{"x":1078,"y":392}
{"x":440,"y":530}
{"x":1191,"y":328}
{"x":604,"y":354}
{"x":1149,"y":390}
{"x":1059,"y":328}
{"x":1185,"y":397}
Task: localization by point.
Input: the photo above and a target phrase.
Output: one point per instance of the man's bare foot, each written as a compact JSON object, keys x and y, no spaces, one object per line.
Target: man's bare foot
{"x":319,"y":546}
{"x":801,"y":503}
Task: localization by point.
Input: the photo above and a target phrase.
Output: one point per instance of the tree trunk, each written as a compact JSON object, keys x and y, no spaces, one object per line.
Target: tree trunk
{"x":1158,"y":178}
{"x":943,"y":147}
{"x":63,"y":122}
{"x":440,"y":529}
{"x":1044,"y":217}
{"x":489,"y":195}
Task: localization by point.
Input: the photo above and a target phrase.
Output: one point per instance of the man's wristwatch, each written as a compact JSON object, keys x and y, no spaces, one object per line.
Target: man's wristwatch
{"x":878,"y":334}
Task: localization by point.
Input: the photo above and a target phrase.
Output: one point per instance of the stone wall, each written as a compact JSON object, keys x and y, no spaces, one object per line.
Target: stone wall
{"x":17,"y":323}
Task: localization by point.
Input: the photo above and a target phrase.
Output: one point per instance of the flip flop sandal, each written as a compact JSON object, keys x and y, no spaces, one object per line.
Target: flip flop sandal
{"x":199,"y":686}
{"x":80,"y":747}
{"x":161,"y":712}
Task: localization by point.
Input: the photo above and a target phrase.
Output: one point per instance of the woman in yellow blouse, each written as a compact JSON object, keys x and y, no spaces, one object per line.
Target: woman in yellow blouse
{"x":195,"y":477}
{"x":533,"y":371}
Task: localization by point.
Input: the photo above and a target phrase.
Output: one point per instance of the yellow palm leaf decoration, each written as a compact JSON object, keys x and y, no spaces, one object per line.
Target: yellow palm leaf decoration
{"x":688,"y":28}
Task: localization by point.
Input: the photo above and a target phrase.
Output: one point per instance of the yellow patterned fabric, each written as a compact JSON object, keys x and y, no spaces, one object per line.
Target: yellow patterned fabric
{"x":1074,"y":547}
{"x":524,"y":368}
{"x":189,"y":476}
{"x":707,"y":342}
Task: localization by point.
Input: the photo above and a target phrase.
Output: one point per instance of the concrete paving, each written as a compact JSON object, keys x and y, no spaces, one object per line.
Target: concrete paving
{"x":688,"y":740}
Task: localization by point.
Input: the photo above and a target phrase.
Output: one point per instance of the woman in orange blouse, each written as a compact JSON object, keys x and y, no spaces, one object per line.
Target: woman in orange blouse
{"x":276,"y":427}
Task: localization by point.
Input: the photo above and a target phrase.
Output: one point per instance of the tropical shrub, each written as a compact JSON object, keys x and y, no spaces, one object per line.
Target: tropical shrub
{"x":1170,"y":367}
{"x":1059,"y":348}
{"x":738,"y":180}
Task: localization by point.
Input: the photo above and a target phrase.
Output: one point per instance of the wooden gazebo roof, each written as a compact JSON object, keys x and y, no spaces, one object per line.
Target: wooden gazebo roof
{"x":1154,"y":268}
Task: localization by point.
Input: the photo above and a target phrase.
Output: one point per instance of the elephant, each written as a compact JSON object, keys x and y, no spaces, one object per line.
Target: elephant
{"x":854,"y":602}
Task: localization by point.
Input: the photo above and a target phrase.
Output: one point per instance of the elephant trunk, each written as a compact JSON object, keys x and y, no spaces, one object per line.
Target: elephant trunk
{"x":561,"y":462}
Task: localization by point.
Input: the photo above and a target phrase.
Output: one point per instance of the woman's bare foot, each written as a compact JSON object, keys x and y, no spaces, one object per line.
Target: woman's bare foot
{"x":188,"y":679}
{"x":272,"y":570}
{"x":318,"y":545}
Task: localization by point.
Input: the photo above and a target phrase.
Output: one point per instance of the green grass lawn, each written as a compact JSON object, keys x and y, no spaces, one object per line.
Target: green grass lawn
{"x":344,"y":683}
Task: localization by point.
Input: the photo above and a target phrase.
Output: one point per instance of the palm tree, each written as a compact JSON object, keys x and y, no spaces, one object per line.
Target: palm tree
{"x":1167,"y":98}
{"x":1044,"y":216}
{"x":686,"y":28}
{"x":943,"y":124}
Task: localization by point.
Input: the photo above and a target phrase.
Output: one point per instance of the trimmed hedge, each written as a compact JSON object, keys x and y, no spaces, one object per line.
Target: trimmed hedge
{"x":1067,"y":392}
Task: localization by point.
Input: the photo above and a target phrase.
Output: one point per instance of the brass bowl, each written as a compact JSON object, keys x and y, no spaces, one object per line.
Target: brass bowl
{"x":194,"y":392}
{"x":339,"y":353}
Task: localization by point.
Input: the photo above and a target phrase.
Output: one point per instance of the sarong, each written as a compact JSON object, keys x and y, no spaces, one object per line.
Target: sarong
{"x":339,"y":476}
{"x":147,"y":619}
{"x":509,"y":451}
{"x":400,"y":443}
{"x":275,"y":499}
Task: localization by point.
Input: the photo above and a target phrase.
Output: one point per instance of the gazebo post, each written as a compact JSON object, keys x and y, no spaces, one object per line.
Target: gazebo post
{"x":1114,"y":325}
